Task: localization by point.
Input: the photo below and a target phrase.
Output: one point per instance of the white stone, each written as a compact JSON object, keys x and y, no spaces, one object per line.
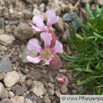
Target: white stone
{"x":39,"y":89}
{"x":11,"y":78}
{"x":28,"y":100}
{"x":64,"y":89}
{"x":11,"y":94}
{"x":36,"y":11}
{"x":6,"y":39}
{"x":17,"y":99}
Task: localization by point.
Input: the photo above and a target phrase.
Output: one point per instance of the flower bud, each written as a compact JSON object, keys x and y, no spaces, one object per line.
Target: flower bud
{"x":84,"y":16}
{"x":61,"y":80}
{"x":55,"y":62}
{"x":54,"y":38}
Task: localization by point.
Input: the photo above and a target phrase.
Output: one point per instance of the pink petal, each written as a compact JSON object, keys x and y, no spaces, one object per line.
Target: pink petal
{"x":38,"y":20}
{"x":52,"y":18}
{"x":57,"y":48}
{"x":47,"y":61}
{"x":35,"y":28}
{"x":33,"y":45}
{"x":34,"y":60}
{"x":47,"y":39}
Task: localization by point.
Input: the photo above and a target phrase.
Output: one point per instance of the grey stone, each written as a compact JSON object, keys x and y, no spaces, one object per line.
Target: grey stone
{"x":23,"y":31}
{"x":27,"y":13}
{"x":4,"y":94}
{"x":1,"y":22}
{"x":69,"y":16}
{"x":6,"y":100}
{"x":5,"y":64}
{"x":50,"y":91}
{"x":27,"y":52}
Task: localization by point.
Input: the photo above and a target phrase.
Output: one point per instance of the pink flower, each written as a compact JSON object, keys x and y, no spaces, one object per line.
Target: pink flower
{"x":38,"y":20}
{"x":46,"y":54}
{"x":61,"y":80}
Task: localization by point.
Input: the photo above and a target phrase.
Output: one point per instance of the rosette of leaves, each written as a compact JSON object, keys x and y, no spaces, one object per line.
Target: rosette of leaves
{"x":88,"y":61}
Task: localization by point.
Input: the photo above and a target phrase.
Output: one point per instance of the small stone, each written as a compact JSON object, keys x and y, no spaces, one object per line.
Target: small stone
{"x":27,"y":52}
{"x":6,"y":39}
{"x":6,"y":100}
{"x":11,"y":94}
{"x":51,"y":85}
{"x":69,"y":16}
{"x":17,"y":99}
{"x":25,"y":88}
{"x":5,"y":64}
{"x":28,"y":100}
{"x":36,"y":11}
{"x":1,"y":31}
{"x":27,"y":13}
{"x":29,"y":83}
{"x":93,"y":6}
{"x":2,"y":75}
{"x":74,"y":91}
{"x":59,"y":25}
{"x":53,"y":5}
{"x":57,"y":93}
{"x":3,"y":48}
{"x":11,"y":78}
{"x":38,"y":88}
{"x":86,"y":1}
{"x":4,"y":94}
{"x":47,"y":100}
{"x":99,"y":2}
{"x":1,"y":22}
{"x":18,"y":90}
{"x":2,"y":89}
{"x":42,"y":7}
{"x":64,"y":36}
{"x":52,"y":79}
{"x":22,"y":79}
{"x":50,"y":91}
{"x":69,"y":8}
{"x":23,"y":32}
{"x":64,"y":89}
{"x":75,"y":24}
{"x":38,"y":2}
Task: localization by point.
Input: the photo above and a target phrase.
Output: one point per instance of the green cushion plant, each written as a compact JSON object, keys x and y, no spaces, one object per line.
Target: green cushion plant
{"x":89,"y":47}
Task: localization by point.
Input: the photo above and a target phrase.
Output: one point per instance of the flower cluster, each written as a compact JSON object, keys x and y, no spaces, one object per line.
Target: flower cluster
{"x":51,"y":44}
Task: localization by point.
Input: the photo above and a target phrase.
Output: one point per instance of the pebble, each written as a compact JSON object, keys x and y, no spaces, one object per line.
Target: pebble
{"x":2,"y":75}
{"x":36,"y":11}
{"x":5,"y":64}
{"x":99,"y":2}
{"x":69,"y":16}
{"x":25,"y":88}
{"x":93,"y":6}
{"x":4,"y":95}
{"x":28,"y":100}
{"x":52,"y":5}
{"x":18,"y":90}
{"x":50,"y":91}
{"x":64,"y":89}
{"x":2,"y":88}
{"x":74,"y":91}
{"x":29,"y":83}
{"x":42,"y":7}
{"x":23,"y":31}
{"x":47,"y":100}
{"x":1,"y":31}
{"x":57,"y":93}
{"x":38,"y":2}
{"x":86,"y":1}
{"x":27,"y":13}
{"x":17,"y":99}
{"x":27,"y":52}
{"x":59,"y":25}
{"x":11,"y":94}
{"x":11,"y":79}
{"x":75,"y":25}
{"x":1,"y":22}
{"x":6,"y":39}
{"x":6,"y":100}
{"x":3,"y":48}
{"x":51,"y":85}
{"x":38,"y":88}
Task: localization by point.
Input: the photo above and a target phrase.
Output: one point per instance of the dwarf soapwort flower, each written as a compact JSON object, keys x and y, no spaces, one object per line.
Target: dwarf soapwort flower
{"x":61,"y":80}
{"x":46,"y":54}
{"x":40,"y":26}
{"x":84,"y":16}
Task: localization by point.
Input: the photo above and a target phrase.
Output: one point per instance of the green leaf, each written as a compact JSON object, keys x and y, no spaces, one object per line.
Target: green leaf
{"x":97,"y":35}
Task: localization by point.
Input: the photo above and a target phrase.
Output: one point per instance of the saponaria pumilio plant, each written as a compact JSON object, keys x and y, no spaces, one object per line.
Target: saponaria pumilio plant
{"x":51,"y":45}
{"x":88,"y":61}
